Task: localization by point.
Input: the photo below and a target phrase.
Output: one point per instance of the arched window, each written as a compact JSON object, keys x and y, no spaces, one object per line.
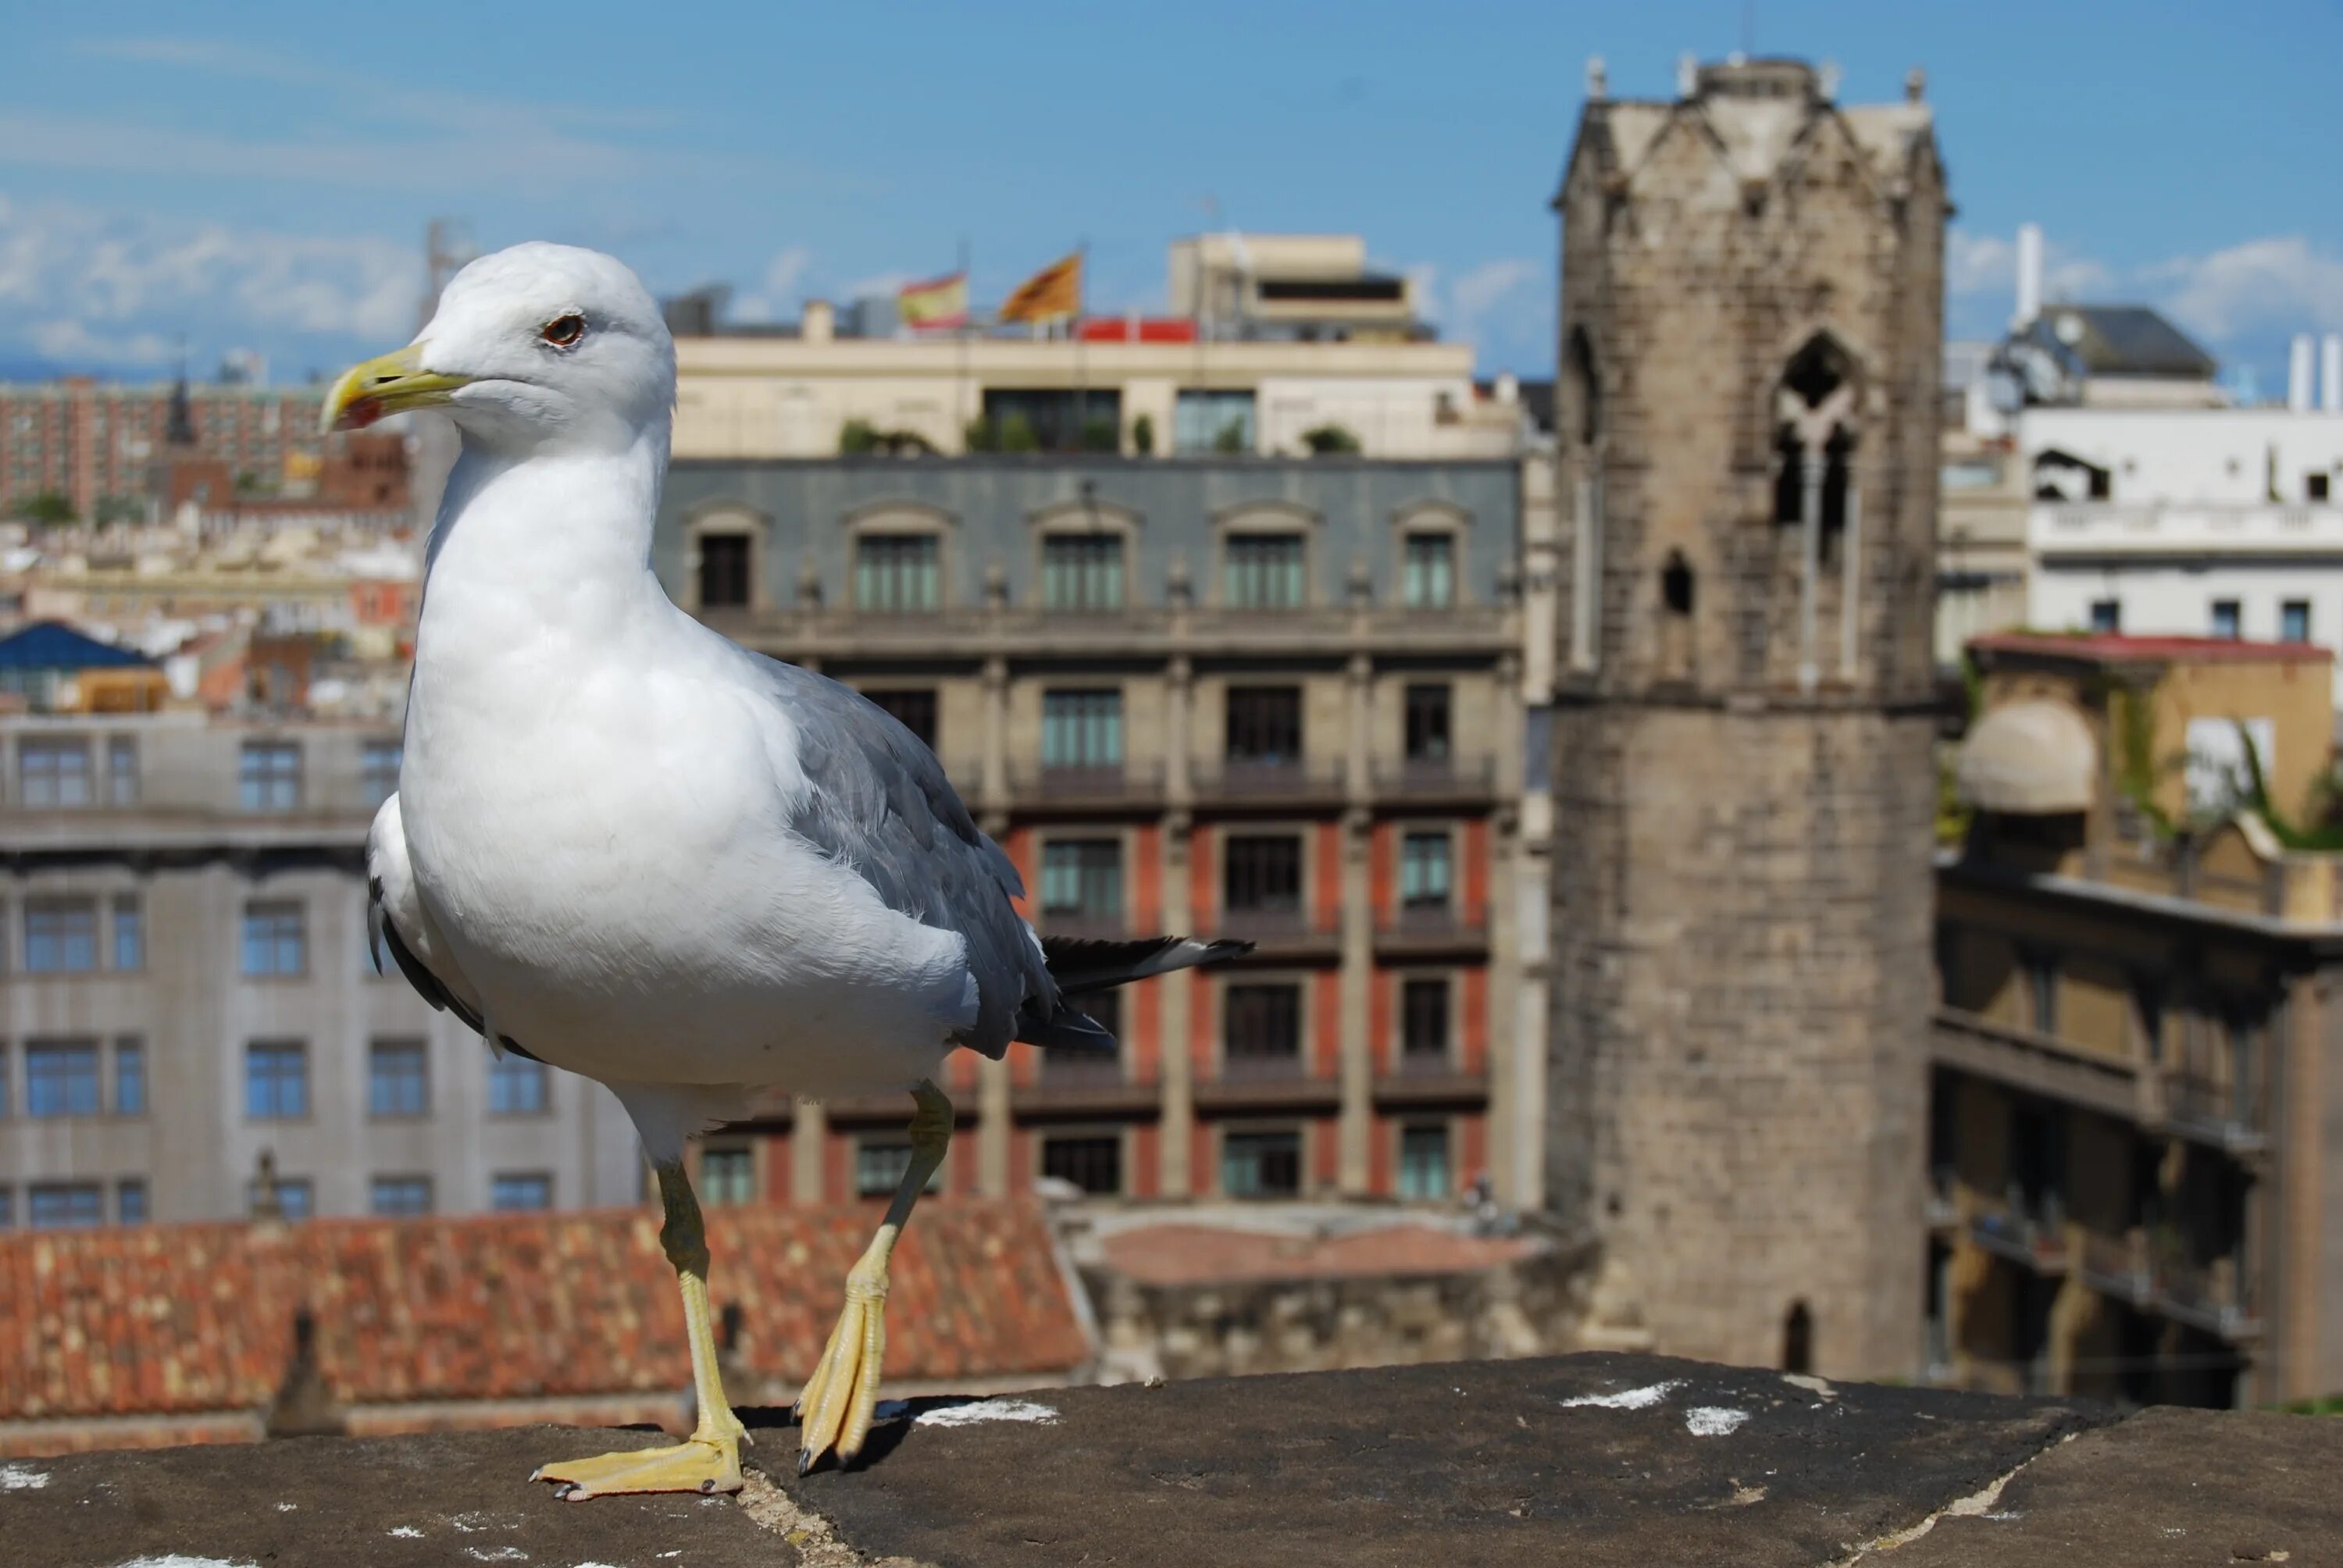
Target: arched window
{"x":1815,"y":407}
{"x":1798,"y":1339}
{"x":1587,"y":383}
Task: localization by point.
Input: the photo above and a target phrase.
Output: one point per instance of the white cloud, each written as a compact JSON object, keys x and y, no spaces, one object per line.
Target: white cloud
{"x":2280,"y":282}
{"x":1978,"y":263}
{"x":1490,"y":285}
{"x":1503,"y":307}
{"x":79,"y":285}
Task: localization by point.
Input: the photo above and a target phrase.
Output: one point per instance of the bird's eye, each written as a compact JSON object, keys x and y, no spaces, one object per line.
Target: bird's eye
{"x":564,"y":330}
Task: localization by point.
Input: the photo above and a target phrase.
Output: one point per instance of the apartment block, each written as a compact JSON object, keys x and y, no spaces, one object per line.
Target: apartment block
{"x":185,"y":988}
{"x":96,"y":443}
{"x":1275,"y":699}
{"x":2134,"y":1138}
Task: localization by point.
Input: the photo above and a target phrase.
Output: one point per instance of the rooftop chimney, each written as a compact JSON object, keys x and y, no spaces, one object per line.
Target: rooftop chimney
{"x":2330,"y":373}
{"x":818,"y":324}
{"x":2029,"y":274}
{"x":2298,"y":375}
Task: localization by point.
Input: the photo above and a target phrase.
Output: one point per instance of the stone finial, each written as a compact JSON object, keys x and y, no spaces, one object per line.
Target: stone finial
{"x":1361,"y":585}
{"x":1916,"y":86}
{"x":268,"y":1196}
{"x":1598,"y":81}
{"x":1687,"y":75}
{"x":808,"y":588}
{"x":996,"y":586}
{"x":1827,"y":81}
{"x":1178,"y":588}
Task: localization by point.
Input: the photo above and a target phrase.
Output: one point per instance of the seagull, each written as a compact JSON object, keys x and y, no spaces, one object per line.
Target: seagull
{"x":626,"y":846}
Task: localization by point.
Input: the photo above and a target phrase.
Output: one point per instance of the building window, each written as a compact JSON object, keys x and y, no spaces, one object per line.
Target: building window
{"x":51,"y":772}
{"x":728,"y":1174}
{"x":517,"y":1086}
{"x":1264,"y":571}
{"x":292,"y":1197}
{"x":896,"y":573}
{"x":1260,"y":1025}
{"x":129,"y":934}
{"x":1082,"y":729}
{"x":1212,"y":422}
{"x":60,"y":936}
{"x":2041,"y":970}
{"x":1424,"y":1162}
{"x":724,"y":571}
{"x":2314,"y":487}
{"x":2147,"y":1003}
{"x":66,"y":1205}
{"x":2294,"y":620}
{"x":881,"y":1164}
{"x":130,"y":1201}
{"x":400,"y":1197}
{"x":1082,"y":571}
{"x":276,"y":1080}
{"x":1265,"y":726}
{"x":1423,"y":1021}
{"x":122,"y":771}
{"x":2107,"y":616}
{"x":60,"y":1079}
{"x":397,"y":1079}
{"x":914,"y":709}
{"x":514,"y":1191}
{"x":130,"y":1077}
{"x":1425,"y":720}
{"x":1083,"y":878}
{"x":2227,"y":622}
{"x":1428,"y":571}
{"x":1424,"y":869}
{"x":276,"y":940}
{"x":8,"y":1208}
{"x":268,"y":776}
{"x":1261,"y":1164}
{"x":378,"y":771}
{"x":1260,"y":873}
{"x":1092,"y":1162}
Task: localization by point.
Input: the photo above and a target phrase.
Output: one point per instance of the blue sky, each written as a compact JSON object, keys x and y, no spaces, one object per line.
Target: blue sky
{"x":259,"y":176}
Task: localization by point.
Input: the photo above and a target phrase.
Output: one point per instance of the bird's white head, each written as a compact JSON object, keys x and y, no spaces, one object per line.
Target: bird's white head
{"x":534,"y":348}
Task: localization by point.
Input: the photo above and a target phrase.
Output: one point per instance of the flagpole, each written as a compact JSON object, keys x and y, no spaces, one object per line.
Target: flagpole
{"x":962,"y":418}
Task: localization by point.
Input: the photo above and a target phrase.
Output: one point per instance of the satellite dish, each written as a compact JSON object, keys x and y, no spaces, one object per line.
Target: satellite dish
{"x":2069,"y":329}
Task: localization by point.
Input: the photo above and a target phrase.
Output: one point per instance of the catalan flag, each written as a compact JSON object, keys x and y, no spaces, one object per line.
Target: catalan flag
{"x":1054,"y":291}
{"x":939,"y":302}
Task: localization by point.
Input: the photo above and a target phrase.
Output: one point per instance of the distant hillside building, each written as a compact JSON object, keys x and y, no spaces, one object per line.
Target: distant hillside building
{"x":1748,"y":417}
{"x":95,"y":442}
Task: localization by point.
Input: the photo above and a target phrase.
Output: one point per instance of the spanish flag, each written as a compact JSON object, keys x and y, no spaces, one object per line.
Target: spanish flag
{"x":939,"y":302}
{"x":1054,"y":291}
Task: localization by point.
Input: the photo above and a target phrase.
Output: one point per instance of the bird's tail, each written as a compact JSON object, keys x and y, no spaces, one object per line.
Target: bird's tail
{"x":1080,"y":965}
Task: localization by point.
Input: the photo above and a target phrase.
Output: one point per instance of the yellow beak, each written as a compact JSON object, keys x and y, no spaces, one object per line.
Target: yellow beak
{"x":389,"y":383}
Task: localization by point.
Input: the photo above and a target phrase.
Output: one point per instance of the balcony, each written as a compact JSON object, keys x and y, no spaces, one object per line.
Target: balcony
{"x":2035,"y":1241}
{"x":1284,"y":929}
{"x":1130,"y":783}
{"x":2209,"y":1296}
{"x":1437,"y":778}
{"x":1084,"y":925}
{"x":2040,"y":1064}
{"x":1266,"y":1080}
{"x":1261,"y":782}
{"x":1420,"y":930}
{"x":2117,"y":1266}
{"x":2210,"y":1110}
{"x":1082,"y":1085}
{"x":1424,"y":1078}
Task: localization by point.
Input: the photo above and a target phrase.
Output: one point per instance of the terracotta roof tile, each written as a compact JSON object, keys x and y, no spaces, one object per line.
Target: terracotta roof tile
{"x":183,"y":1319}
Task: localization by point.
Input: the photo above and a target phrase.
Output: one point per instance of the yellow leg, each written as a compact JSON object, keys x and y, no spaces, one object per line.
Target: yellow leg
{"x":841,"y":1398}
{"x":710,"y":1459}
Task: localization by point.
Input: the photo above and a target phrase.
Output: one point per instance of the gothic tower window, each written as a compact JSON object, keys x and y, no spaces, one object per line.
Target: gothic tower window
{"x":1588,"y":384}
{"x":1815,"y":416}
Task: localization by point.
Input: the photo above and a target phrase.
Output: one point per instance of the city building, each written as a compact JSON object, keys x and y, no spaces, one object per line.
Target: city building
{"x":1302,"y":349}
{"x":188,"y":988}
{"x":94,"y":444}
{"x":1309,"y":288}
{"x":1981,"y":551}
{"x":2136,"y":1125}
{"x":1274,"y":700}
{"x":1740,"y":743}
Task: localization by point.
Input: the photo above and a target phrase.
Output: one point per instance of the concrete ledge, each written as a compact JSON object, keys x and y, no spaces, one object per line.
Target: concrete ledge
{"x":1588,"y":1459}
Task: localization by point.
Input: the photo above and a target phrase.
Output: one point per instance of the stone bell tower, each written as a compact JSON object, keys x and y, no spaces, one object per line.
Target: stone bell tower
{"x":1743,"y":788}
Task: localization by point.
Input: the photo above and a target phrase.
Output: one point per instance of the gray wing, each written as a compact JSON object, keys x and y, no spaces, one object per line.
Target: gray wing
{"x":879,"y":802}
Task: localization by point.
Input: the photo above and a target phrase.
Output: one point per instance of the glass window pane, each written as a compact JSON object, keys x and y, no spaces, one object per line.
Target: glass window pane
{"x":129,"y":1078}
{"x":400,"y":1196}
{"x":129,"y":935}
{"x":517,"y":1086}
{"x":1424,"y":1162}
{"x":65,"y":1205}
{"x":276,"y":1080}
{"x":513,"y":1192}
{"x":276,"y":940}
{"x":130,"y":1201}
{"x":60,"y":936}
{"x":61,"y":1078}
{"x":398,"y":1082}
{"x":728,"y":1175}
